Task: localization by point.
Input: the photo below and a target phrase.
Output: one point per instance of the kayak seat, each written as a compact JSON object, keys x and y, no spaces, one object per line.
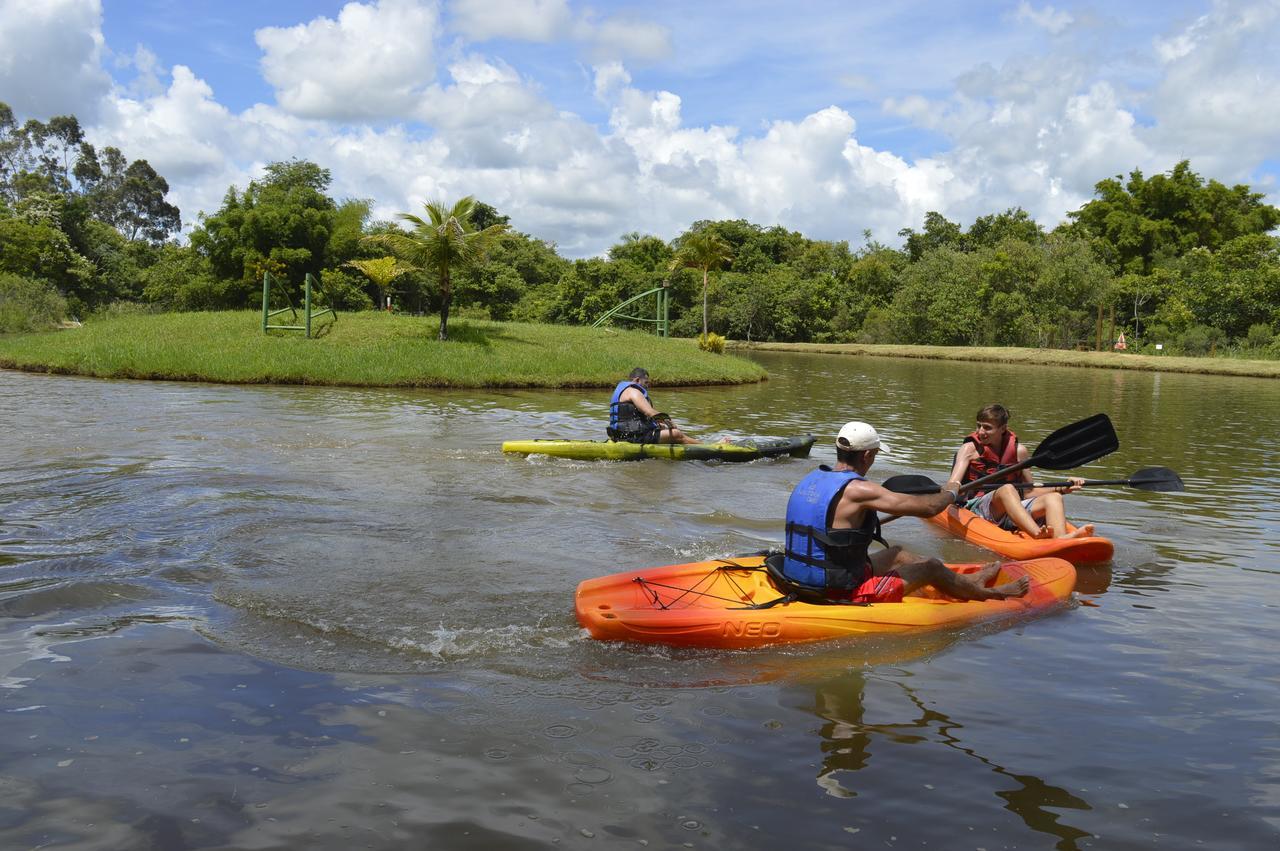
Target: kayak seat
{"x":795,"y":591}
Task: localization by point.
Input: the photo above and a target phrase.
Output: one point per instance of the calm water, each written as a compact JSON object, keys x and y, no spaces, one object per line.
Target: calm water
{"x":327,"y":618}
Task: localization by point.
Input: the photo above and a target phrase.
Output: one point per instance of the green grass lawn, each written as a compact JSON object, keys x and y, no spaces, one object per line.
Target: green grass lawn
{"x":366,"y":349}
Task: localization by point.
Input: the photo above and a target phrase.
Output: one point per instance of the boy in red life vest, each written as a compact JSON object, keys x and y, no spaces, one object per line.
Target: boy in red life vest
{"x":992,"y":446}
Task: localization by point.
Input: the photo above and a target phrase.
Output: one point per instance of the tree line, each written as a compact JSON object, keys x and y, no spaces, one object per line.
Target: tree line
{"x":1173,"y":259}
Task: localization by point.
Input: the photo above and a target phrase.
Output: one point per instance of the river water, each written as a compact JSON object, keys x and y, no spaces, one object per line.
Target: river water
{"x":282,"y":617}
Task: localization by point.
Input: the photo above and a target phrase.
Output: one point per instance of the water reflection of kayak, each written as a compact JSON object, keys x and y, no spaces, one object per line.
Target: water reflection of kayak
{"x":968,"y":526}
{"x":738,"y":449}
{"x":725,"y":603}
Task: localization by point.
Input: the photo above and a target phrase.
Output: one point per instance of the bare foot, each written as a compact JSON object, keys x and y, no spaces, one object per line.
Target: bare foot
{"x":985,"y":574}
{"x":1045,"y":532}
{"x":1084,"y":531}
{"x":1016,"y":588}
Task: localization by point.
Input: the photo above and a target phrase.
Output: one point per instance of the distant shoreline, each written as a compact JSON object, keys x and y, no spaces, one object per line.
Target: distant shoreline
{"x":1046,"y":357}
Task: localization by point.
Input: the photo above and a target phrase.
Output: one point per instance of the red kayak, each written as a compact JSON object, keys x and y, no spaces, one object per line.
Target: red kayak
{"x":964,"y":524}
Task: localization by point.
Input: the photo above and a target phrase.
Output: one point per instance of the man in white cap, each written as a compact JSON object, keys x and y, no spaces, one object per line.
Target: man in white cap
{"x":832,"y":518}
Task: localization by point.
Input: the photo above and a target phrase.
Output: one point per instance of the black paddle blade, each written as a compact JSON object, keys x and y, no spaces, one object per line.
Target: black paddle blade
{"x":1158,"y":479}
{"x":911,"y":484}
{"x":1076,"y":444}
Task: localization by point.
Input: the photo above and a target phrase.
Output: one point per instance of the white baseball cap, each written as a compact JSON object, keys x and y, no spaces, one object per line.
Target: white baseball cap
{"x":857,"y":436}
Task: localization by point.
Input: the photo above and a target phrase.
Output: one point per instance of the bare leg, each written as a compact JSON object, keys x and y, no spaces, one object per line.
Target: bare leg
{"x":891,"y":558}
{"x":987,"y":573}
{"x":1007,"y":502}
{"x":1055,"y":516}
{"x":934,"y":572}
{"x":674,"y":435}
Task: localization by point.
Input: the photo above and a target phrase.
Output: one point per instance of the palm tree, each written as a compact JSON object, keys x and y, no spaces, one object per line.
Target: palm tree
{"x":382,"y":271}
{"x":444,"y":241}
{"x":706,"y":251}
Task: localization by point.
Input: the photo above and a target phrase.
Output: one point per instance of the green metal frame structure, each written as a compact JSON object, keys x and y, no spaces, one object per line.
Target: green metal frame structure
{"x":661,"y":310}
{"x":308,"y":314}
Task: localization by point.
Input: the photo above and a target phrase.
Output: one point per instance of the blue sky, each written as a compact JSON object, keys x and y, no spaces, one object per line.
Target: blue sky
{"x":583,"y":122}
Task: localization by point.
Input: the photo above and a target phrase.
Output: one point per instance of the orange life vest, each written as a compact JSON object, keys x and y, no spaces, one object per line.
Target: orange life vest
{"x":988,"y":461}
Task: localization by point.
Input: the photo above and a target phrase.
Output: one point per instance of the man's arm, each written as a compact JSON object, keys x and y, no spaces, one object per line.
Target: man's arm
{"x":638,"y":399}
{"x":869,"y":496}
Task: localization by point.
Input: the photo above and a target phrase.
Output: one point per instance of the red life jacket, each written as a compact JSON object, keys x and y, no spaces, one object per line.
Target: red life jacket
{"x":988,"y":461}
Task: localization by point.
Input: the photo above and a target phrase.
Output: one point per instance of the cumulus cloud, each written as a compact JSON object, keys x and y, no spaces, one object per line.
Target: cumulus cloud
{"x":372,"y":62}
{"x":51,"y":57}
{"x":1215,"y":102}
{"x":1035,"y":130}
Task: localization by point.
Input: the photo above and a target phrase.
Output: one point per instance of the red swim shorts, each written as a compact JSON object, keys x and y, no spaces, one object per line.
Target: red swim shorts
{"x":877,"y":589}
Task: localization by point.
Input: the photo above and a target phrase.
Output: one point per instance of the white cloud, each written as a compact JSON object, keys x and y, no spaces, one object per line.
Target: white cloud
{"x":1048,"y":18}
{"x":603,"y":38}
{"x":524,"y":20}
{"x":1035,"y":130}
{"x":51,"y":57}
{"x":372,"y":62}
{"x":1216,"y":101}
{"x":149,"y":71}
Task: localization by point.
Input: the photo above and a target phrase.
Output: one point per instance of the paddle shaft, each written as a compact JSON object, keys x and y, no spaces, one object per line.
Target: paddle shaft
{"x":1085,"y":484}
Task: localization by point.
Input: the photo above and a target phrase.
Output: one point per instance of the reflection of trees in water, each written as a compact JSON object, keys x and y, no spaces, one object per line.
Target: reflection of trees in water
{"x":847,"y":744}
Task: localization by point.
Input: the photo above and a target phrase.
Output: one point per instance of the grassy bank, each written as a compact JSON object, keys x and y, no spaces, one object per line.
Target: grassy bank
{"x":1052,"y":357}
{"x":365,"y":349}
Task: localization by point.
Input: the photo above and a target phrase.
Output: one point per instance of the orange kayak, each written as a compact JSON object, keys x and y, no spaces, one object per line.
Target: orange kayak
{"x":717,"y":604}
{"x":964,"y":524}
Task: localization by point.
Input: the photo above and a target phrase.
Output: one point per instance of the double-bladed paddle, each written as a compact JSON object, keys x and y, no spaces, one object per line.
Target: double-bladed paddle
{"x":1155,"y":479}
{"x":1067,"y":448}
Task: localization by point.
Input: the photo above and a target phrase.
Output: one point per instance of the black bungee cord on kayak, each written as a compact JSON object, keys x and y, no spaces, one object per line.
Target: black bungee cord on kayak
{"x":726,"y":565}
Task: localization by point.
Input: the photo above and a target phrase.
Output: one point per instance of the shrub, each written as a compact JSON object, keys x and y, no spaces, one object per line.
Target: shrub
{"x":343,"y":291}
{"x":1198,"y":340}
{"x":711,"y":342}
{"x":1260,"y":336}
{"x":27,"y":305}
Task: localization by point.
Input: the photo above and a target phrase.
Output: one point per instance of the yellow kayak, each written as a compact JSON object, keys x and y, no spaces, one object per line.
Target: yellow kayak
{"x":740,"y":449}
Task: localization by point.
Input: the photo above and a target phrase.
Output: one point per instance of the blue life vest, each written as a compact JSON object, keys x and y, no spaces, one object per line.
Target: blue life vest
{"x":818,"y":556}
{"x":625,"y":419}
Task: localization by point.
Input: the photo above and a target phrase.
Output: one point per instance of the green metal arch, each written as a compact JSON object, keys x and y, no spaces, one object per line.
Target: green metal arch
{"x":661,"y":310}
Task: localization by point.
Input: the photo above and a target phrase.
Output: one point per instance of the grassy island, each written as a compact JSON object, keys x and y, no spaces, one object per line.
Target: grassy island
{"x":1047,"y":357}
{"x":366,"y":349}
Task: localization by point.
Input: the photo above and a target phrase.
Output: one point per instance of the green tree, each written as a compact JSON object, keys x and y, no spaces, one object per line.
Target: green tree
{"x":646,"y":252}
{"x":1013,"y":224}
{"x":1144,"y":220}
{"x":939,"y":232}
{"x":283,"y":222}
{"x":444,"y":242}
{"x":702,"y":250}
